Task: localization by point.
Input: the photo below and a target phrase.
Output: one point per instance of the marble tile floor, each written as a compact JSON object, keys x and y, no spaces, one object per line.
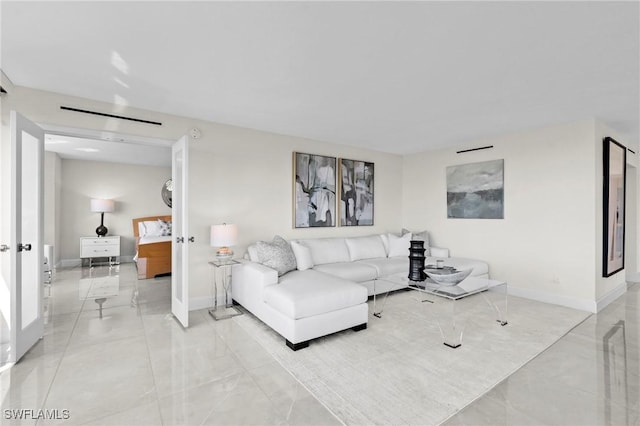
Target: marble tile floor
{"x":589,"y":377}
{"x":137,"y":366}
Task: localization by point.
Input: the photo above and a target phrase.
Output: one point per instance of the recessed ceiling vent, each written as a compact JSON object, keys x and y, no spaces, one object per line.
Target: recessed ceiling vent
{"x":121,"y":117}
{"x":474,"y":149}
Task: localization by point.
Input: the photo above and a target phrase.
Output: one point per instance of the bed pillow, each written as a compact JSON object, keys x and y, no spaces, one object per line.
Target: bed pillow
{"x":399,"y":246}
{"x":420,"y":236}
{"x":277,"y":255}
{"x":151,"y":228}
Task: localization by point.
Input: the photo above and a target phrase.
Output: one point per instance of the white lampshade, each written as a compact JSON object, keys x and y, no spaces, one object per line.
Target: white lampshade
{"x":102,"y":206}
{"x":224,"y":235}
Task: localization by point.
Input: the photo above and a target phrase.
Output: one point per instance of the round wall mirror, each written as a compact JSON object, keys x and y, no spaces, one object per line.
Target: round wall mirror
{"x":167,"y":191}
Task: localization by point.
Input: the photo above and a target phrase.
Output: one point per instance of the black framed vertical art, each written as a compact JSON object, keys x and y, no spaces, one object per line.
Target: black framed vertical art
{"x":314,"y":190}
{"x":614,"y":183}
{"x":356,"y":184}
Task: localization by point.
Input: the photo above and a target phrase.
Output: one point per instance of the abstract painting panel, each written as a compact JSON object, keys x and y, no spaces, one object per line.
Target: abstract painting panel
{"x":356,"y":193}
{"x":314,"y":190}
{"x":614,"y":179}
{"x":476,"y":190}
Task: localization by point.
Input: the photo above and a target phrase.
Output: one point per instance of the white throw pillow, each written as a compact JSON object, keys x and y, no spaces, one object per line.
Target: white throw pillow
{"x":399,"y":246}
{"x":253,"y":253}
{"x":303,"y":256}
{"x":420,"y":236}
{"x":385,"y":243}
{"x":365,"y":247}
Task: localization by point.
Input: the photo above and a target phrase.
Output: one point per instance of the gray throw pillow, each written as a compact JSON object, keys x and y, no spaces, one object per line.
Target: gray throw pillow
{"x":165,"y":227}
{"x":277,"y":255}
{"x":420,"y":236}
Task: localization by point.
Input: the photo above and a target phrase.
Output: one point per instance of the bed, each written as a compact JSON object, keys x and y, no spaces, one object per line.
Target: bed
{"x":153,"y":249}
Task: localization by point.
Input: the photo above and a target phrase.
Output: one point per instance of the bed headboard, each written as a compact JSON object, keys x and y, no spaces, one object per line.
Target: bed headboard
{"x":143,"y":219}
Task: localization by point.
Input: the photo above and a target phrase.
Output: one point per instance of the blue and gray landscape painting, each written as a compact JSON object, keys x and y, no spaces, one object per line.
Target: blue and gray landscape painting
{"x":476,"y":190}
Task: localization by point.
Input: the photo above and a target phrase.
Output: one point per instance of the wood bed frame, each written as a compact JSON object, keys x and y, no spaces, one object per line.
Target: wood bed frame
{"x":155,"y":258}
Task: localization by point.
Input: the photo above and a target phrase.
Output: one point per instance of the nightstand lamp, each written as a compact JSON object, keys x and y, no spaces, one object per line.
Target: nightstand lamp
{"x":224,"y":236}
{"x":102,"y":207}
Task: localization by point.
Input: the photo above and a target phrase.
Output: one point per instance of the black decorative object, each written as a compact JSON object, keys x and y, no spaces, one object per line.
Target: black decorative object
{"x":416,"y":261}
{"x":101,"y":230}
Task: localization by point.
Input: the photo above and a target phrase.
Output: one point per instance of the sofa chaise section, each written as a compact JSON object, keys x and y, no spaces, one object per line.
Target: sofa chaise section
{"x":301,"y":305}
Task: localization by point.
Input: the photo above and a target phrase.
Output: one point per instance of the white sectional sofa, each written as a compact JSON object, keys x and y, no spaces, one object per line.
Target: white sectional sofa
{"x":329,"y":289}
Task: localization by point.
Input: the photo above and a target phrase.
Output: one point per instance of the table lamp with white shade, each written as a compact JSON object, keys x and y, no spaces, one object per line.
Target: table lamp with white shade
{"x":102,"y":207}
{"x":224,"y":236}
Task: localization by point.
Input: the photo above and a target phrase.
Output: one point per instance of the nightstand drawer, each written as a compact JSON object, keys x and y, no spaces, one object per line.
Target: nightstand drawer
{"x":100,"y":251}
{"x":90,"y":241}
{"x":99,"y":247}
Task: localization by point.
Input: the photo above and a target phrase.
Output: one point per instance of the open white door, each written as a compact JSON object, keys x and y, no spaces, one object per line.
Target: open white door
{"x":180,"y":231}
{"x":26,"y":247}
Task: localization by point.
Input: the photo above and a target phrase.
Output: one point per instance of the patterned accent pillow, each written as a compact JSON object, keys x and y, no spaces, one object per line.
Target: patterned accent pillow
{"x":421,"y":236}
{"x":276,"y":255}
{"x":165,"y":227}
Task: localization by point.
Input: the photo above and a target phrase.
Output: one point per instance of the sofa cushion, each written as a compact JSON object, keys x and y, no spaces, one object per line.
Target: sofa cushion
{"x":479,"y":267}
{"x":327,"y":250}
{"x":399,"y":246}
{"x":352,"y":271}
{"x":388,"y":266}
{"x":277,"y":255}
{"x":365,"y":247}
{"x":303,"y":256}
{"x":302,"y":294}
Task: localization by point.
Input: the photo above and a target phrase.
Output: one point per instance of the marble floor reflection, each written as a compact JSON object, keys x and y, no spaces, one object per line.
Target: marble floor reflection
{"x":589,"y":377}
{"x":113,"y":355}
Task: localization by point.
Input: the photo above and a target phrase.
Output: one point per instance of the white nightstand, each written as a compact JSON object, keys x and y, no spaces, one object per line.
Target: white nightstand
{"x":92,"y":247}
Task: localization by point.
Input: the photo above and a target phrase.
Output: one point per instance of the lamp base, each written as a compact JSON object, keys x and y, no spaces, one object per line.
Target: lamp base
{"x":101,"y":231}
{"x":224,"y":253}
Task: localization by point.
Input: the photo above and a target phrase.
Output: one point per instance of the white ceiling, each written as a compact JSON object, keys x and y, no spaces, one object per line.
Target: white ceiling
{"x":398,"y":77}
{"x":107,"y":149}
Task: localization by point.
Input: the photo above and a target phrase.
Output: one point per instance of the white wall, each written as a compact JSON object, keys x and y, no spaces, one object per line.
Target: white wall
{"x":237,"y":175}
{"x":545,"y":246}
{"x":52,"y":203}
{"x":135,"y":190}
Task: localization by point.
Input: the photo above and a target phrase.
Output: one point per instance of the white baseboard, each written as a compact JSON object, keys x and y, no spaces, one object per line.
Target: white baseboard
{"x":554,"y":299}
{"x":611,"y":296}
{"x":633,"y":278}
{"x":197,"y":303}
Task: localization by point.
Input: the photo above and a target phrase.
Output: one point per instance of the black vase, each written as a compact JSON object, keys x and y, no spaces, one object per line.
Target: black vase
{"x":416,"y":261}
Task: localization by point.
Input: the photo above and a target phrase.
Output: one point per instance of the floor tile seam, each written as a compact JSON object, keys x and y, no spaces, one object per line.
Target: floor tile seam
{"x":62,"y":358}
{"x":281,"y":363}
{"x":153,"y":375}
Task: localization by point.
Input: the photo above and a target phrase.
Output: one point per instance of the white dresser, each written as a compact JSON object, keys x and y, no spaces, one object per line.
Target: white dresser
{"x":92,"y":247}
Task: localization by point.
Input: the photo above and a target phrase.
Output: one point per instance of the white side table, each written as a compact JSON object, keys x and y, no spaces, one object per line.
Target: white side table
{"x":224,"y":268}
{"x":92,"y":247}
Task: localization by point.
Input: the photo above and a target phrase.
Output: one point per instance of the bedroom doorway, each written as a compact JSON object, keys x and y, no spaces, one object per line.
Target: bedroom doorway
{"x":131,"y":170}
